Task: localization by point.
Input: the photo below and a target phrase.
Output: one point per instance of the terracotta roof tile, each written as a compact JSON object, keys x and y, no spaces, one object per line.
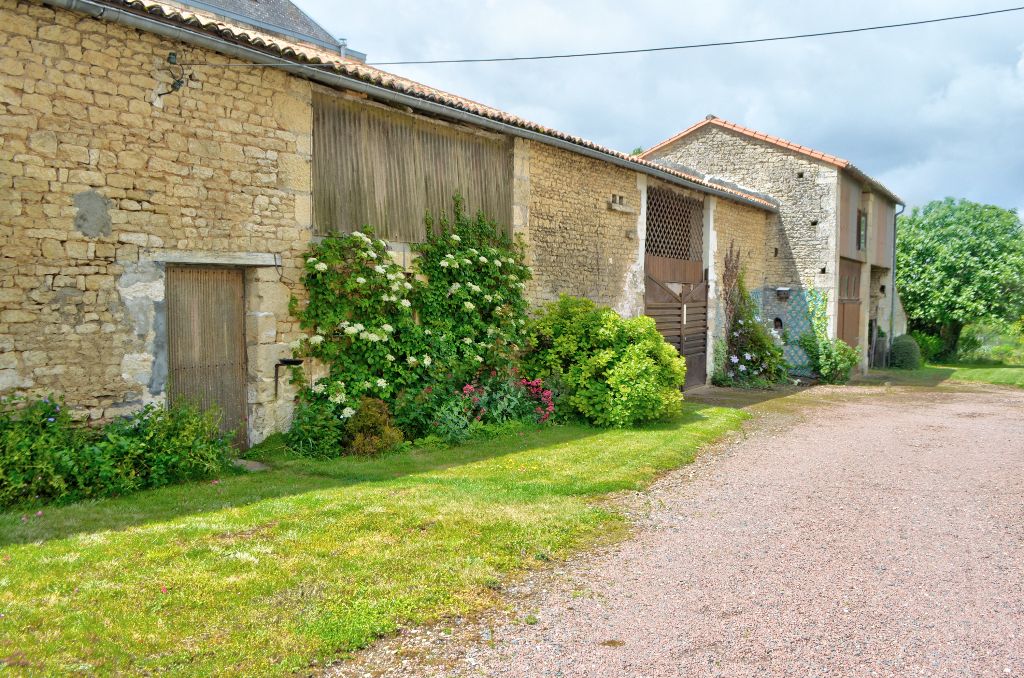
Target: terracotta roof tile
{"x":777,"y":141}
{"x":311,"y":55}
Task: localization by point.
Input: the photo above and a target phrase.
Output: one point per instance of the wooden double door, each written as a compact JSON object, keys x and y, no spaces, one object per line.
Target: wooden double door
{"x":848,"y":322}
{"x":676,"y":296}
{"x":206,"y":343}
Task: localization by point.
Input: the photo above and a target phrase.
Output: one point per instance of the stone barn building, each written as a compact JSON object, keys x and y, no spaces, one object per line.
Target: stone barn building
{"x":165,"y":167}
{"x":835,"y":230}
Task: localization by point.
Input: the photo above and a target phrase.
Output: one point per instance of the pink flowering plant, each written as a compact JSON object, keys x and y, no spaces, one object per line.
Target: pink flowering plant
{"x":455,"y":412}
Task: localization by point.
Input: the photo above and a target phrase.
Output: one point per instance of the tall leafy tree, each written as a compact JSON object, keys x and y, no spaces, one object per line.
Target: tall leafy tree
{"x":958,"y":262}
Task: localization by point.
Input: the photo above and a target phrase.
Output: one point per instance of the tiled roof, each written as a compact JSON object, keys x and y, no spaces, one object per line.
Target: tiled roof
{"x":310,"y":55}
{"x":269,"y":14}
{"x":833,"y":160}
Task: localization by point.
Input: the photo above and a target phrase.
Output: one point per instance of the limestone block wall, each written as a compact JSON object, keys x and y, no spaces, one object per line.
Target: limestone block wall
{"x":103,"y":181}
{"x":578,"y":243}
{"x":802,"y":241}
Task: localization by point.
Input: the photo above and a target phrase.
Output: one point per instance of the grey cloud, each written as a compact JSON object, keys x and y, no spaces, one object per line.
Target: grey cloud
{"x":932,"y":111}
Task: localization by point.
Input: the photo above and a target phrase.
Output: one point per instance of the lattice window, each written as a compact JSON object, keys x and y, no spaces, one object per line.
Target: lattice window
{"x":675,"y":225}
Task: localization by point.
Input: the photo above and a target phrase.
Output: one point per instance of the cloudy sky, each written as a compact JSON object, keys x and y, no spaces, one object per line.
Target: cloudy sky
{"x":931,"y":111}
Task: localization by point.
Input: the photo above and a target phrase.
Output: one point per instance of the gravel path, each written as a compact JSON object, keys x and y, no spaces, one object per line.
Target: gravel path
{"x":878,"y":534}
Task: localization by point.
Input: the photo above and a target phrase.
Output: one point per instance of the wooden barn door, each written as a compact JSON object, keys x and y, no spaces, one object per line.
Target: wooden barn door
{"x":848,"y":324}
{"x":206,"y":342}
{"x":676,"y":292}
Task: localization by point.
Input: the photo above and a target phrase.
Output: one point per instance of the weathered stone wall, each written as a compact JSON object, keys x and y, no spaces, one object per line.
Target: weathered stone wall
{"x":102,"y":181}
{"x":579,"y":243}
{"x":751,"y":231}
{"x":804,"y":239}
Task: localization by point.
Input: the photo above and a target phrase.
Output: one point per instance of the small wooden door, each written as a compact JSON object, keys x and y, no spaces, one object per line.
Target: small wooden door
{"x":206,"y":342}
{"x":849,"y":302}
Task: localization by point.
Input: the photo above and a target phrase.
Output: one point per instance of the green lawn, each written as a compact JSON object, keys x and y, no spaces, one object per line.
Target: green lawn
{"x":932,"y":375}
{"x":260,"y":574}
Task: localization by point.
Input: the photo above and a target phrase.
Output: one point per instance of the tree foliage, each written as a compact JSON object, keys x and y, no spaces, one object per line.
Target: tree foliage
{"x":957,"y":262}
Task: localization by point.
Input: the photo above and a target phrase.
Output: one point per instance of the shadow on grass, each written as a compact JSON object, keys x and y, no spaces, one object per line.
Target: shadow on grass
{"x":924,"y":376}
{"x":740,"y":398}
{"x":288,"y":476}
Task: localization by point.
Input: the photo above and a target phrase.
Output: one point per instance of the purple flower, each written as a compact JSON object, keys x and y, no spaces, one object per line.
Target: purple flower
{"x":743,"y":368}
{"x":734,"y":359}
{"x":50,"y":419}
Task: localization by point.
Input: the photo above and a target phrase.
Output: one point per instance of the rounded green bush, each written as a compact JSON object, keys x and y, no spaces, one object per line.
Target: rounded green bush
{"x":616,"y":371}
{"x":905,"y":354}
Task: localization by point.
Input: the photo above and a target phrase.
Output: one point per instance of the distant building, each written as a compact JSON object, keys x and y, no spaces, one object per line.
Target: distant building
{"x":835,"y":230}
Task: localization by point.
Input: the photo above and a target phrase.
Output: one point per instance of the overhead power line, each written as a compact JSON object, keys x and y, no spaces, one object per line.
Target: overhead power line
{"x":724,"y":43}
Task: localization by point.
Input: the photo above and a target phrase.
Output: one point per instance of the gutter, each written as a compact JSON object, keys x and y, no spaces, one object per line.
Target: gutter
{"x":892,"y":300}
{"x":142,"y":22}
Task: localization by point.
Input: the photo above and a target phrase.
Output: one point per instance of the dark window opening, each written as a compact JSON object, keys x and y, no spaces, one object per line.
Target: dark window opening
{"x":862,"y":230}
{"x":777,"y":324}
{"x":814,"y":222}
{"x":776,"y":251}
{"x":799,"y":175}
{"x":823,"y":269}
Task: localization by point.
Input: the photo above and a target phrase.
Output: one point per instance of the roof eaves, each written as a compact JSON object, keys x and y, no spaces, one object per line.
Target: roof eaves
{"x":308,"y":56}
{"x":719,"y":181}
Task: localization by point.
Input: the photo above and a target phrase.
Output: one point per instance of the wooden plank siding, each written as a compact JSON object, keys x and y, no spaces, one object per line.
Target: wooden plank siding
{"x":380,"y":167}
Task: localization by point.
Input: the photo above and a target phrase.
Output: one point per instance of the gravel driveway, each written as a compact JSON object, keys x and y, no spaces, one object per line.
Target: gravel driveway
{"x":874,"y":531}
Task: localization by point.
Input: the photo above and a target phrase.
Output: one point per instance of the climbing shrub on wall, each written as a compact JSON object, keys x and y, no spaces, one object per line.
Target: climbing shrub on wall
{"x":472,"y":305}
{"x":753,"y":357}
{"x":361,"y":319}
{"x":381,"y":331}
{"x":832,"y":359}
{"x":750,"y":356}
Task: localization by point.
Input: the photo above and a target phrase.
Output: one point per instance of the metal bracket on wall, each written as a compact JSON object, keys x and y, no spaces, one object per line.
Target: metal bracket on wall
{"x":284,"y":362}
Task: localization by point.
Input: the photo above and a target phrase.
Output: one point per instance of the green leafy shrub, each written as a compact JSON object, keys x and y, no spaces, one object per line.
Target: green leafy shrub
{"x":370,"y":430}
{"x":930,"y":345}
{"x":318,"y":428}
{"x":904,"y":353}
{"x":46,"y":457}
{"x":992,"y":342}
{"x":325,"y":425}
{"x":831,"y":359}
{"x":616,"y":371}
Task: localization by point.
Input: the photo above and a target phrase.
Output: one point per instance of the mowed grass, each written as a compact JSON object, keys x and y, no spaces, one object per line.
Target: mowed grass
{"x":1000,"y":374}
{"x":262,"y":574}
{"x":933,"y":375}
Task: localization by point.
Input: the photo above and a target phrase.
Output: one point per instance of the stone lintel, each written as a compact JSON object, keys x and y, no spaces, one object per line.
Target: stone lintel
{"x":215,"y":258}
